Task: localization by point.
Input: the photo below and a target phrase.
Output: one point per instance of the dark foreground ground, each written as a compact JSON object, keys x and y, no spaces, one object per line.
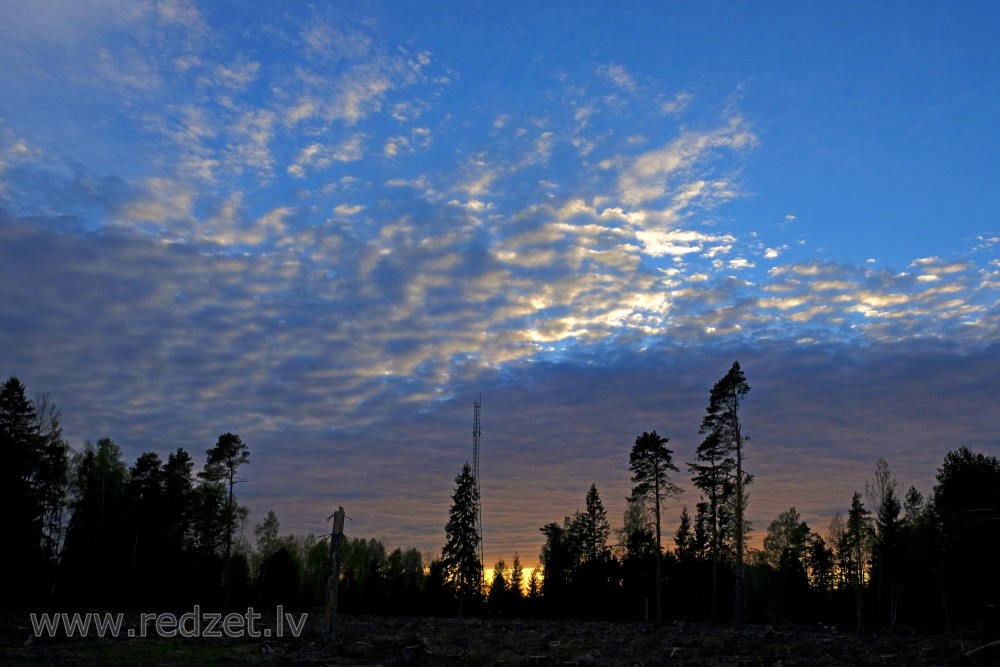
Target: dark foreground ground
{"x":423,"y":642}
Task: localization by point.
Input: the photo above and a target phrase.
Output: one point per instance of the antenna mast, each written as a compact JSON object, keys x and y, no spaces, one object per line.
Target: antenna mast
{"x":476,"y":433}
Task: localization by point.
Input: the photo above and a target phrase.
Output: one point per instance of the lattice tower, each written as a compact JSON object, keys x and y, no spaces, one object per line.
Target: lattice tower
{"x":476,"y":434}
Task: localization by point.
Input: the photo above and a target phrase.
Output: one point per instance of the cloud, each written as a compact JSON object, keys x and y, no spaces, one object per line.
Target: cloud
{"x":677,"y":104}
{"x":347,"y":210}
{"x":677,"y":242}
{"x":236,"y":76}
{"x":619,"y":76}
{"x":328,"y":42}
{"x":162,"y":201}
{"x":649,"y":176}
{"x":320,"y":156}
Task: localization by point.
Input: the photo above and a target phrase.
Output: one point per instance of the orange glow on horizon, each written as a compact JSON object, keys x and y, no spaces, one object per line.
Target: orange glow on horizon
{"x":489,"y":572}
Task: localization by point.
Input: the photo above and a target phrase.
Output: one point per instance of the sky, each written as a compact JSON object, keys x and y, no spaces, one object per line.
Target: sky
{"x":331,"y":228}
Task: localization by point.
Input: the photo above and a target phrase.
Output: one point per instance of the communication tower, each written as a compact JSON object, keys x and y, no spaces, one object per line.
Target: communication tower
{"x":476,"y":434}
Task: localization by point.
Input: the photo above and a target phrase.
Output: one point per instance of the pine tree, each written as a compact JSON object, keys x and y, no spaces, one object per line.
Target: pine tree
{"x":651,"y":463}
{"x":177,"y":516}
{"x":221,"y":465}
{"x":723,"y":449}
{"x":713,"y":476}
{"x":858,"y":540}
{"x":144,"y":498}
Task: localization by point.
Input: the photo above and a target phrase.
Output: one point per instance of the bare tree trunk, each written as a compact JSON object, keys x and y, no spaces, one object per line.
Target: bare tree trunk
{"x":740,"y":591}
{"x":659,"y":555}
{"x":333,"y":583}
{"x":227,"y":572}
{"x":895,"y":597}
{"x":715,"y":587}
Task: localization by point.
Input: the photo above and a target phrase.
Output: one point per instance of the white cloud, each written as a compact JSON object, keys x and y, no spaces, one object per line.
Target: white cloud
{"x":237,"y":76}
{"x":619,"y":75}
{"x":162,"y":202}
{"x":331,"y":43}
{"x":479,"y":185}
{"x":347,"y":209}
{"x":675,"y":242}
{"x":357,"y":95}
{"x":647,"y":176}
{"x":249,"y":147}
{"x":677,"y":104}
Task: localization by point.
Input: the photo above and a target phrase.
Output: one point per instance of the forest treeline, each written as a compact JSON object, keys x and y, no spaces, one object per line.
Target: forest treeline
{"x":91,"y":531}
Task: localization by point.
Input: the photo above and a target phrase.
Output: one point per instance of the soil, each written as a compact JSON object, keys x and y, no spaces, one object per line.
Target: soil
{"x":430,"y":642}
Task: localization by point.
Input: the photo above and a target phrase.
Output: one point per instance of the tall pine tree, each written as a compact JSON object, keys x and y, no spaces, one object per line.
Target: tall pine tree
{"x":651,"y":464}
{"x":722,"y":449}
{"x":221,"y":465}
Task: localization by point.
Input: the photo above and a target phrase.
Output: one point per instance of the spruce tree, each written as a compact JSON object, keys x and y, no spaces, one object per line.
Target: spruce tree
{"x":593,"y":528}
{"x":21,"y":444}
{"x":463,"y":568}
{"x":516,"y":578}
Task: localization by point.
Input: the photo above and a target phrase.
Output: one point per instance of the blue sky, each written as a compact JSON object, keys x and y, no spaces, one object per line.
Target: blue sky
{"x":331,"y":229}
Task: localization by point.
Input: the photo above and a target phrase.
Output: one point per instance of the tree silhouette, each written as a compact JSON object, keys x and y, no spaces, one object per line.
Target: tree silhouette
{"x":534,"y":585}
{"x":404,"y":573}
{"x":221,"y":465}
{"x":95,"y":548}
{"x":594,"y":573}
{"x":516,"y":579}
{"x":651,"y":464}
{"x":820,"y":564}
{"x":857,"y":542}
{"x":20,"y":443}
{"x":684,"y":536}
{"x":461,"y":550}
{"x":593,"y":528}
{"x":725,"y":441}
{"x":714,"y":519}
{"x":499,"y":587}
{"x":51,"y":481}
{"x":148,"y":535}
{"x":559,"y":557}
{"x":785,"y":553}
{"x":886,"y":556}
{"x":966,"y":510}
{"x":788,"y":533}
